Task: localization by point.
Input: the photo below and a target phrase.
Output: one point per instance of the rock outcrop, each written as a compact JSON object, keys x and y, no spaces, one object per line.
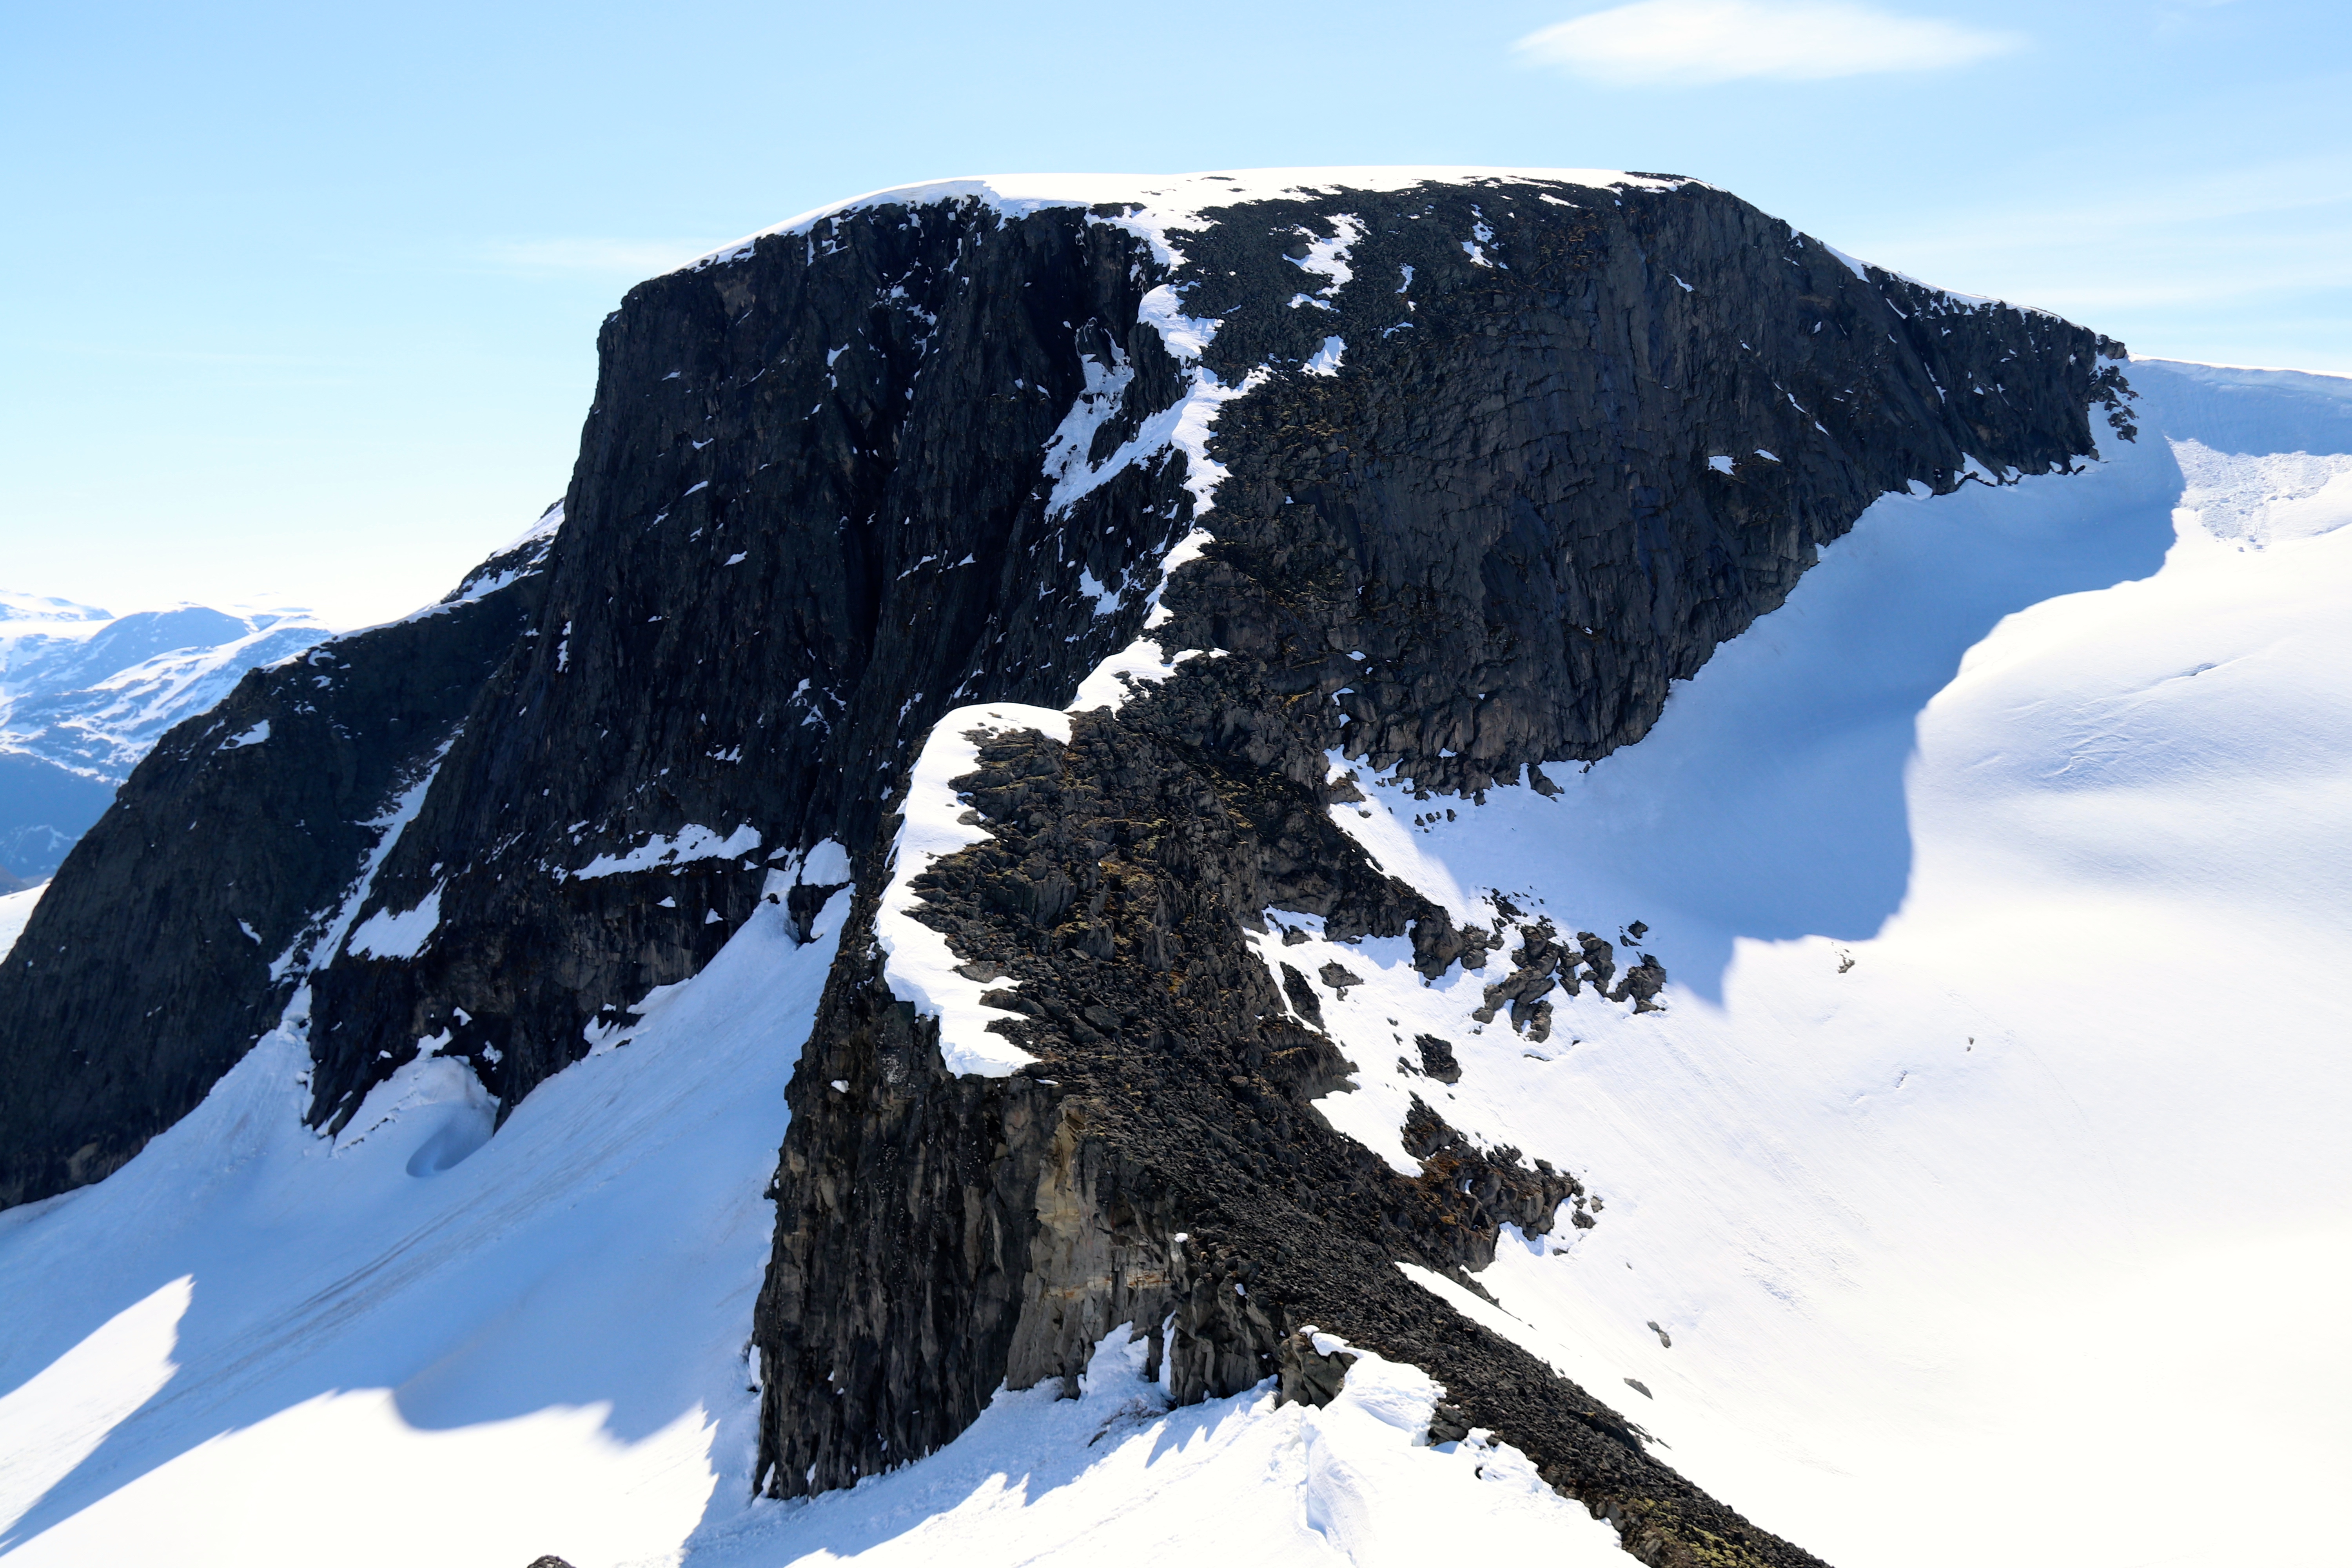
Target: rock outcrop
{"x":182,"y":924}
{"x":1448,"y":477}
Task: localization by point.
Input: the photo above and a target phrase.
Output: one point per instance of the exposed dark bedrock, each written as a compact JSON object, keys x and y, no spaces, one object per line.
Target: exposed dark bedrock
{"x":177,"y":931}
{"x":812,"y":513}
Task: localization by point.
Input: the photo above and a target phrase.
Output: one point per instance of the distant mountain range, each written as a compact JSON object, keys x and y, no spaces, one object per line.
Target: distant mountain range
{"x":84,"y":694}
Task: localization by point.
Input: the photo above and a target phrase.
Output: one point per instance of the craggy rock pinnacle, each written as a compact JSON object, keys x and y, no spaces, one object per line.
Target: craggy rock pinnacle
{"x":1491,"y":463}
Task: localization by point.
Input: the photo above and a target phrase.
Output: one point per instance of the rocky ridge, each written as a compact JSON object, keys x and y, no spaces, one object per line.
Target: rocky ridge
{"x":227,"y":868}
{"x":1441,"y":477}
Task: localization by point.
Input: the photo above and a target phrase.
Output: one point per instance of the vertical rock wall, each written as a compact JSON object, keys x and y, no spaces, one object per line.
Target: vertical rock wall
{"x":1494,"y":462}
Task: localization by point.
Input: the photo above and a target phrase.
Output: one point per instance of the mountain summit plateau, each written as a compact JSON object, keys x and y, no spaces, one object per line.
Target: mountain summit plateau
{"x":1148,"y":711}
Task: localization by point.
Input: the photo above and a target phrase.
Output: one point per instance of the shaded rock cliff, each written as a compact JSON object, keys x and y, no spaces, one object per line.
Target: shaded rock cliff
{"x":1451,"y":478}
{"x":181,"y":925}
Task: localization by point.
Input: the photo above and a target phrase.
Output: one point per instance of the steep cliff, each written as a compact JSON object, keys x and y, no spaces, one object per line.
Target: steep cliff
{"x":225,"y":871}
{"x":1048,"y":567}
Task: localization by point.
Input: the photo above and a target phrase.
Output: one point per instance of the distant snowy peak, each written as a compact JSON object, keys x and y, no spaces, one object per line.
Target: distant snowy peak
{"x":27,"y":609}
{"x":84,"y":695}
{"x":32,"y":627}
{"x":91,"y":696}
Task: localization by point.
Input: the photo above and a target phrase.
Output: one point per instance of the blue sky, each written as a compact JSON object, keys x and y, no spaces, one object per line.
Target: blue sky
{"x":303,"y":300}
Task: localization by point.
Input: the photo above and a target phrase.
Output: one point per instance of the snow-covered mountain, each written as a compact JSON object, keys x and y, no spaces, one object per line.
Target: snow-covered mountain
{"x":1414,"y":864}
{"x":84,"y":694}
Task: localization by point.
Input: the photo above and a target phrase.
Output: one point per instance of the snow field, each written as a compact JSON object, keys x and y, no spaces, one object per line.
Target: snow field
{"x":691,"y":842}
{"x":1995,"y":1117}
{"x":1115,"y":1476}
{"x":388,"y":933}
{"x":254,"y":1340}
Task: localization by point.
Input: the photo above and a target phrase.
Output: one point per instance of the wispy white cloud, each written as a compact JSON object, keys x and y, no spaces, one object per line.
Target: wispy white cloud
{"x":1701,"y":42}
{"x":631,"y":258}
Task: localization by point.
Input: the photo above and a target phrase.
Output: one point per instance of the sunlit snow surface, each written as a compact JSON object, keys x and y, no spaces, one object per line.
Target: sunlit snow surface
{"x":1986,"y":1169}
{"x":15,"y":908}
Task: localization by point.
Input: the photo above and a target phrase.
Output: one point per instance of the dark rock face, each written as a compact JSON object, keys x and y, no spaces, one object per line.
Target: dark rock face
{"x":1162,"y":1158}
{"x":848,"y":479}
{"x":1438,"y":1058}
{"x":180,"y":924}
{"x":1510,"y":516}
{"x":810,"y":514}
{"x":807,"y":519}
{"x":1506,"y":500}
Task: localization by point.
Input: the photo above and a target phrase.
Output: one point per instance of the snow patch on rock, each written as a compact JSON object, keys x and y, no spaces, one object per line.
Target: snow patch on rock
{"x":318,"y":941}
{"x":934,"y":822}
{"x":663,"y":851}
{"x":398,"y":935}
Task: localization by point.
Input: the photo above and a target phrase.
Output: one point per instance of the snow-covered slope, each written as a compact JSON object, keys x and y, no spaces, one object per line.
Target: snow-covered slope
{"x":84,"y":695}
{"x":1978,"y":1195}
{"x":1990,"y":1147}
{"x":15,"y":908}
